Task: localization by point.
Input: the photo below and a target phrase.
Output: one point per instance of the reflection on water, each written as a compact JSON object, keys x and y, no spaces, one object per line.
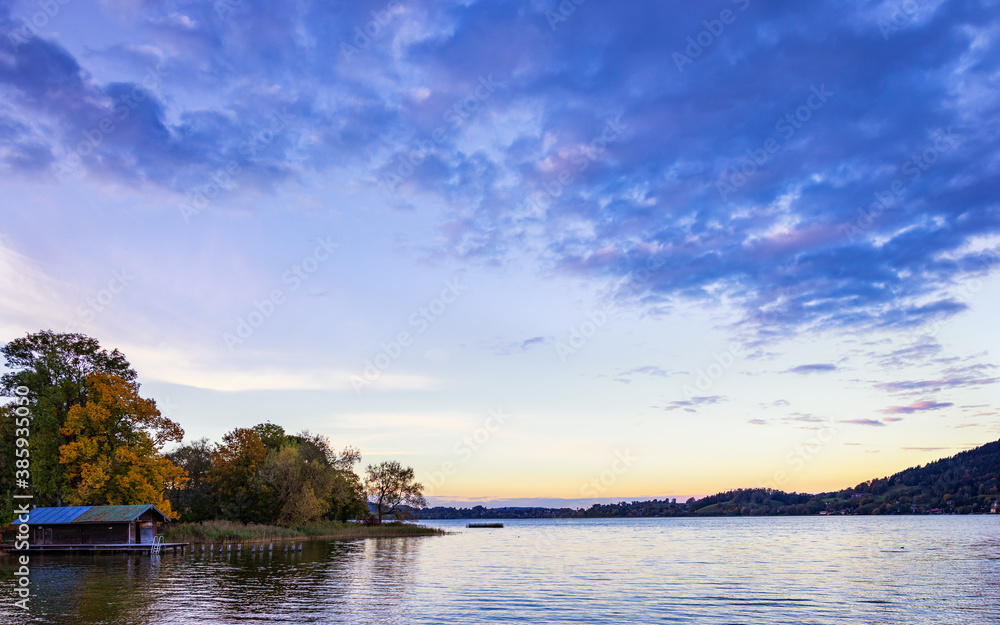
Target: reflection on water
{"x":798,"y":570}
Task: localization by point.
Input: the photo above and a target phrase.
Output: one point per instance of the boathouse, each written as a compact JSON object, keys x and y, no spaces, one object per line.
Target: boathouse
{"x":95,"y":525}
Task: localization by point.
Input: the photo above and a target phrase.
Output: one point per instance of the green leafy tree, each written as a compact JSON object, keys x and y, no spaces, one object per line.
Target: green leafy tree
{"x":235,"y":464}
{"x":390,"y":487}
{"x":308,"y":481}
{"x":314,"y":447}
{"x":8,"y":452}
{"x":195,"y":500}
{"x":273,"y":436}
{"x":54,"y":368}
{"x":347,"y":500}
{"x":263,"y":475}
{"x":347,"y":497}
{"x":298,"y":486}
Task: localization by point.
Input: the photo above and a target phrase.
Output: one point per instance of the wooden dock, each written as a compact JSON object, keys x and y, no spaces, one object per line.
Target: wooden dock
{"x":484,"y":525}
{"x":101,"y":548}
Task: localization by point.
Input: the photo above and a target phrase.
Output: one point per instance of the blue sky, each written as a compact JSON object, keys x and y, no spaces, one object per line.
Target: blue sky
{"x":537,"y":250}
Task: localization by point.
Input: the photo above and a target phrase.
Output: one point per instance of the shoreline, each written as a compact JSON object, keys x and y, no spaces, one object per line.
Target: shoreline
{"x":218,"y":532}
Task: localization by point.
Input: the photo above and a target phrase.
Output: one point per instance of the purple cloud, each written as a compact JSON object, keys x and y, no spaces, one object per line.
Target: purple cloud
{"x":934,"y":386}
{"x":807,"y":418}
{"x":694,"y":401}
{"x":817,"y":368}
{"x":661,"y":205}
{"x":919,"y":406}
{"x":868,"y":422}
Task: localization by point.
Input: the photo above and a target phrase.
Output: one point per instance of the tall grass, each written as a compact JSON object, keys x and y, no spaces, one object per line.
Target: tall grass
{"x":231,"y":532}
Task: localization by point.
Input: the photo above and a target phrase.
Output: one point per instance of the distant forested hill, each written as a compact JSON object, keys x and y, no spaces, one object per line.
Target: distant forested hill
{"x":966,"y":483}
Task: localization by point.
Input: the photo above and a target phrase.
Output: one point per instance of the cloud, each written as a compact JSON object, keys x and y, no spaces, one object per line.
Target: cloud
{"x":757,"y":422}
{"x":916,"y":353}
{"x":648,"y":370}
{"x":625,"y":376}
{"x":920,"y":406}
{"x":805,"y":421}
{"x":807,"y":418}
{"x":28,"y":296}
{"x":934,"y":386}
{"x":868,"y":422}
{"x":562,"y":156}
{"x":781,"y":403}
{"x":690,"y":404}
{"x":969,"y":375}
{"x":529,"y":343}
{"x":783,"y":243}
{"x":966,"y":370}
{"x":123,"y":131}
{"x":198,"y":367}
{"x":502,"y":347}
{"x":817,"y":368}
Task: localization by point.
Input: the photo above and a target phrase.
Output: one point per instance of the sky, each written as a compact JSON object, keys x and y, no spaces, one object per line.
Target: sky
{"x":543,"y":252}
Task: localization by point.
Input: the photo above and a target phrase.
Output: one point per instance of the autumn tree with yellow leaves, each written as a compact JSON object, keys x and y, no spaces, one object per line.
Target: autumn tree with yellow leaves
{"x":95,"y":441}
{"x":53,"y":367}
{"x":113,"y":456}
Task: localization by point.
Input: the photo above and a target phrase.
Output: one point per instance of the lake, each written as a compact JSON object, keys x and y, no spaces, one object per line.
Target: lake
{"x":744,"y":570}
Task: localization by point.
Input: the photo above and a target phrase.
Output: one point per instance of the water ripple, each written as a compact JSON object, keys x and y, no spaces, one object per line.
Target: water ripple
{"x":800,"y":570}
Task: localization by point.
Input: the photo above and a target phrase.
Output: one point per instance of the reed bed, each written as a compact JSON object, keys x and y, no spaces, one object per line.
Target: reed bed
{"x":232,"y":532}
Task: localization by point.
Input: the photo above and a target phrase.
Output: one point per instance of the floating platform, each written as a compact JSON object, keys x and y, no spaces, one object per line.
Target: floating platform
{"x":482,"y":525}
{"x":102,"y":548}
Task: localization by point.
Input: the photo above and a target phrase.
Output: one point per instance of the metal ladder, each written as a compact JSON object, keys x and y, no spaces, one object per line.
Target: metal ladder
{"x":154,"y":550}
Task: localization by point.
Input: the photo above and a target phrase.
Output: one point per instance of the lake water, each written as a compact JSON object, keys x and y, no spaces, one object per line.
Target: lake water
{"x":753,"y":570}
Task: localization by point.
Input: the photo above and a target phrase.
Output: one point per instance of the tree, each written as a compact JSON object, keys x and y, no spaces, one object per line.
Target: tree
{"x":195,"y":500}
{"x":263,"y":475}
{"x":389,"y":486}
{"x":307,"y":480}
{"x":54,"y":368}
{"x":8,"y":452}
{"x":347,"y":458}
{"x":113,"y":454}
{"x":273,"y":436}
{"x":314,"y":447}
{"x":235,"y":463}
{"x":347,"y":499}
{"x":299,"y":487}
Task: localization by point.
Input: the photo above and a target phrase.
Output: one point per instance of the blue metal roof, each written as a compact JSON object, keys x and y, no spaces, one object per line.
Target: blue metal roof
{"x":115,"y":514}
{"x":88,"y":514}
{"x":47,"y":516}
